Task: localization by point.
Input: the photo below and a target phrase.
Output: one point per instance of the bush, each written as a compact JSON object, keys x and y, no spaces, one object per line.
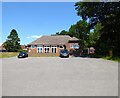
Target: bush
{"x":22,"y":50}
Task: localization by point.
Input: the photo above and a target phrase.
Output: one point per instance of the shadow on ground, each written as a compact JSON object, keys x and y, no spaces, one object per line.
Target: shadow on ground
{"x":88,"y":56}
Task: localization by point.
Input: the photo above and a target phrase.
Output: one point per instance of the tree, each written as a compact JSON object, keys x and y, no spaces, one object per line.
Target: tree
{"x":91,"y":40}
{"x":72,"y":31}
{"x":79,"y":30}
{"x":63,"y":32}
{"x":82,"y":29}
{"x":95,"y":35}
{"x":12,"y":43}
{"x":97,"y":31}
{"x":107,"y":13}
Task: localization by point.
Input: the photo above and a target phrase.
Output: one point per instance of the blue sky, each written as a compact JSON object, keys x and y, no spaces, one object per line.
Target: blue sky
{"x":33,"y":19}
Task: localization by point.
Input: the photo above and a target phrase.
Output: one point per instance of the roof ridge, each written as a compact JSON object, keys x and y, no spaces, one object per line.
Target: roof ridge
{"x":48,"y":39}
{"x":55,"y":35}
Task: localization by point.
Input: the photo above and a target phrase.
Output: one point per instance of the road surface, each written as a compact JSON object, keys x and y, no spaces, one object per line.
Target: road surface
{"x":54,"y":76}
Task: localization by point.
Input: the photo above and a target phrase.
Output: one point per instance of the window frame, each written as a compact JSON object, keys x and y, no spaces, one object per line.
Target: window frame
{"x":45,"y":48}
{"x":32,"y":46}
{"x":74,"y":46}
{"x":54,"y":49}
{"x":39,"y":49}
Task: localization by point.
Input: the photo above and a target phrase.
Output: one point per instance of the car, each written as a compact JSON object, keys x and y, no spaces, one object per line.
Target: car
{"x":64,"y":53}
{"x":22,"y":55}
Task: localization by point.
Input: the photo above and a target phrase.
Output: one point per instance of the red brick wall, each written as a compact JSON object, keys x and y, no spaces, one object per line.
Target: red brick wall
{"x":43,"y":54}
{"x":33,"y":51}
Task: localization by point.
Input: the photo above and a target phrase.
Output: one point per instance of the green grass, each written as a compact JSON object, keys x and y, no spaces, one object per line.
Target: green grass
{"x":112,"y":58}
{"x":8,"y":54}
{"x":117,"y":59}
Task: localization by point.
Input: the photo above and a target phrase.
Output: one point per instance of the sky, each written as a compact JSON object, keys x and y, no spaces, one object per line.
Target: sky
{"x":34,"y":19}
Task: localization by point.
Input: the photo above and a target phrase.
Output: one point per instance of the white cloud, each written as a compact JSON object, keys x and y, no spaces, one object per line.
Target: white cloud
{"x":28,"y":37}
{"x":35,"y":36}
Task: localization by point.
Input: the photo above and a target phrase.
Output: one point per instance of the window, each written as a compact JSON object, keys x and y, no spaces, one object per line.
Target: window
{"x":32,"y":46}
{"x":40,"y":49}
{"x":74,"y":46}
{"x":61,"y":46}
{"x":47,"y":49}
{"x":54,"y":49}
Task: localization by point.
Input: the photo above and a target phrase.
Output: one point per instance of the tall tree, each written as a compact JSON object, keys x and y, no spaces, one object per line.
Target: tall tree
{"x":97,"y":31}
{"x":72,"y":31}
{"x":63,"y":32}
{"x":82,"y":28}
{"x":79,"y":30}
{"x":12,"y":43}
{"x":108,"y":14}
{"x":95,"y":35}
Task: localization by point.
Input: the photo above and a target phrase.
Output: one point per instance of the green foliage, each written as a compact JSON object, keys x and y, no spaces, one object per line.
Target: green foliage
{"x":91,"y":39}
{"x":97,"y":31}
{"x":63,"y":32}
{"x":12,"y":43}
{"x":79,"y":30}
{"x":82,"y":28}
{"x":108,"y":14}
{"x":72,"y":31}
{"x":95,"y":36}
{"x":22,"y":50}
{"x":112,"y":58}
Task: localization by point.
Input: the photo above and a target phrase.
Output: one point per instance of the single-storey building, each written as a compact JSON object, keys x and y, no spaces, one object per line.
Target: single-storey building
{"x":50,"y":45}
{"x":24,"y":47}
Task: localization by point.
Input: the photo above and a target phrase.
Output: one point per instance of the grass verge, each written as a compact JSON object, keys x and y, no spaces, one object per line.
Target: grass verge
{"x":8,"y":54}
{"x":117,"y":59}
{"x":112,"y":58}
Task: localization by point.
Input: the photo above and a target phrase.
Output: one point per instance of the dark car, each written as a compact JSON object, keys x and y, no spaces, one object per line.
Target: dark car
{"x":22,"y":55}
{"x":64,"y":53}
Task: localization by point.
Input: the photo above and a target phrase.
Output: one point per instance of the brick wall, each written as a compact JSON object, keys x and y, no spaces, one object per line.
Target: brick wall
{"x":33,"y":51}
{"x":43,"y":54}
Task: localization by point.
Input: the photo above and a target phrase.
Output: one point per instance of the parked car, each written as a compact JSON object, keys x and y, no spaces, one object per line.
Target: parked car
{"x":22,"y":55}
{"x":64,"y":53}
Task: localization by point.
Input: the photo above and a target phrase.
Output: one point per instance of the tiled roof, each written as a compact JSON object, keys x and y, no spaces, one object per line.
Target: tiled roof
{"x":46,"y":40}
{"x":73,"y":39}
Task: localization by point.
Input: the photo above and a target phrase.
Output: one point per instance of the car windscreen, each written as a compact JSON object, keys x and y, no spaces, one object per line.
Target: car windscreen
{"x":22,"y":53}
{"x":64,"y":51}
